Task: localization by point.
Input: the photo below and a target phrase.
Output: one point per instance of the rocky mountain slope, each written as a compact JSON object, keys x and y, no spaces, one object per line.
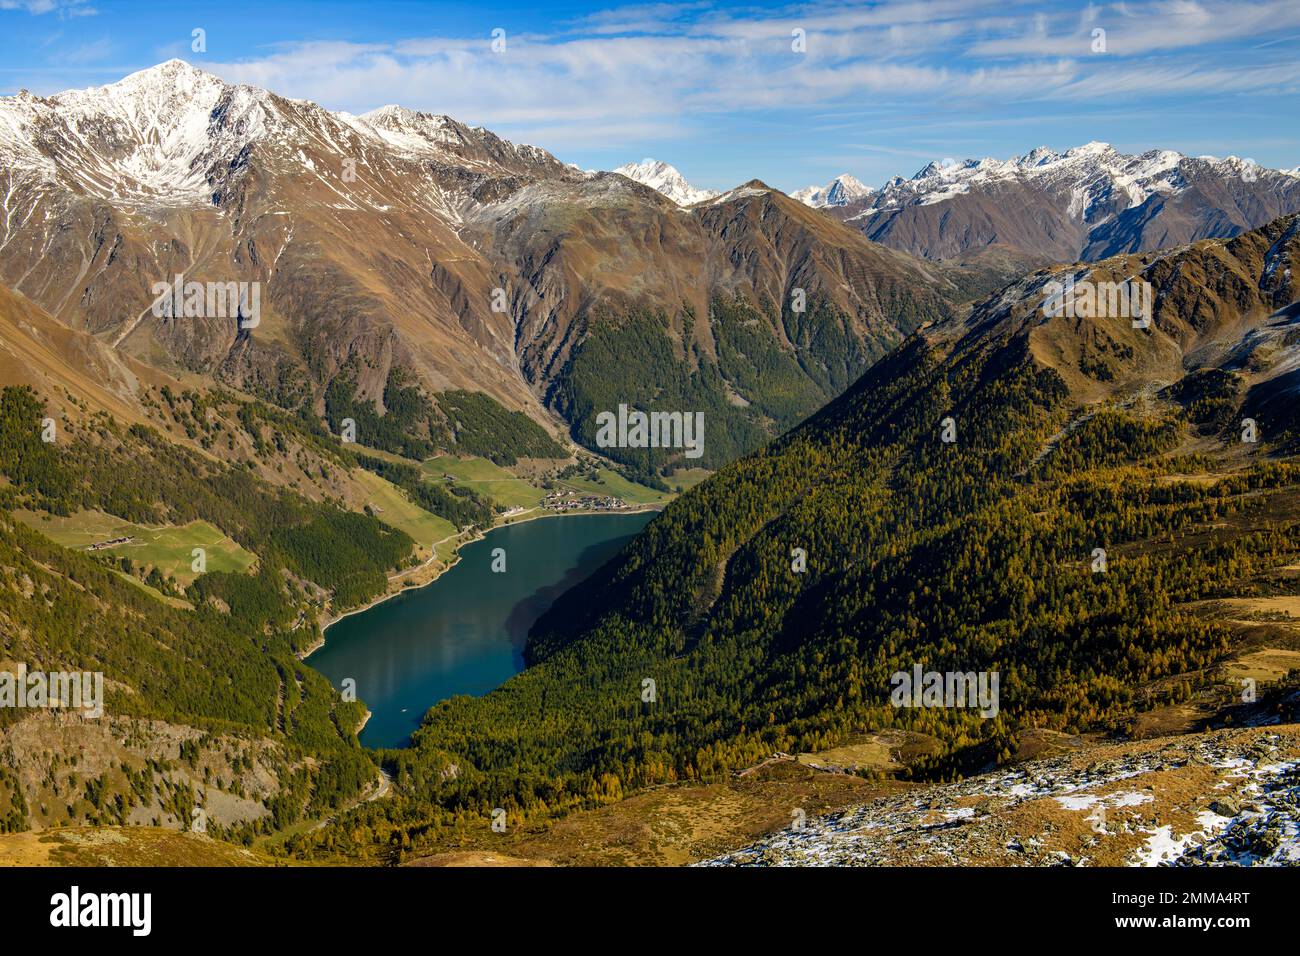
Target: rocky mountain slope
{"x":1221,"y":798}
{"x":1216,"y":304}
{"x":407,"y":241}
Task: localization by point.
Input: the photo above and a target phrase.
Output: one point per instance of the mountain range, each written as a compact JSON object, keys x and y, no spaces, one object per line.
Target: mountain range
{"x":403,"y":243}
{"x":400,"y":243}
{"x":1086,"y":203}
{"x":918,"y":461}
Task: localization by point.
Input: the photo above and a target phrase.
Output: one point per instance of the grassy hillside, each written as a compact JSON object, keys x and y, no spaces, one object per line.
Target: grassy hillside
{"x":168,"y":548}
{"x":123,"y":846}
{"x":485,"y":478}
{"x":394,"y":507}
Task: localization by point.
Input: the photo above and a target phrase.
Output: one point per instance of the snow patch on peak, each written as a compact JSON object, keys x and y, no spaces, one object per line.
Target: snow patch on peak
{"x":739,"y":193}
{"x":412,"y":131}
{"x":393,"y":116}
{"x":944,"y":168}
{"x":840,"y":191}
{"x":665,"y":179}
{"x":1038,"y":157}
{"x":1090,"y":178}
{"x":1094,"y":148}
{"x":152,"y":136}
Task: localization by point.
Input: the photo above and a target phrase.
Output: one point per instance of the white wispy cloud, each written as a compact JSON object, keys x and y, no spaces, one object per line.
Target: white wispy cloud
{"x":652,"y":69}
{"x":652,"y":61}
{"x":64,"y":8}
{"x":1140,"y":29}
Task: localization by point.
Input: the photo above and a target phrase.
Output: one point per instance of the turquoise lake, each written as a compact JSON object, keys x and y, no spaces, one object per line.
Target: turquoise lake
{"x":465,"y":632}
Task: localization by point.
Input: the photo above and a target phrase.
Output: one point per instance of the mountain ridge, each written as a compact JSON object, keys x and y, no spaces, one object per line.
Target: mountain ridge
{"x":840,"y":191}
{"x":406,"y":243}
{"x":1091,"y":201}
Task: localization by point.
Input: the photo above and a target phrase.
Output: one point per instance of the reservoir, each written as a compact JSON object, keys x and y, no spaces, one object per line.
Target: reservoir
{"x":465,"y":632}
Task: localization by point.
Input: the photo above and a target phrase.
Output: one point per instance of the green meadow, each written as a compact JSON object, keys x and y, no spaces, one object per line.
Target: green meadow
{"x":392,"y":507}
{"x":507,"y":489}
{"x":168,"y":548}
{"x":612,"y":483}
{"x":490,"y":480}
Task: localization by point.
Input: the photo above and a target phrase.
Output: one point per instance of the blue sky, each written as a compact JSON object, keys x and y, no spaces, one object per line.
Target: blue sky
{"x":718,"y":89}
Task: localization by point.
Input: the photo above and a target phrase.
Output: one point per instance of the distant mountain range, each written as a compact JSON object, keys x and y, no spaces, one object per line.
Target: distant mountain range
{"x":840,"y":191}
{"x":1086,"y":203}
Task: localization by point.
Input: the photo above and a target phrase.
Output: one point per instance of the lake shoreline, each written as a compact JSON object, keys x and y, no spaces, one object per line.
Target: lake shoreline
{"x":467,"y":636}
{"x":477,"y":535}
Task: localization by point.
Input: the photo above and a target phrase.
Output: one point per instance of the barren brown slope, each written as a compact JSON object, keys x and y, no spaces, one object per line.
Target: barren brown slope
{"x":609,"y":245}
{"x":382,"y":241}
{"x":763,"y":245}
{"x":74,"y":370}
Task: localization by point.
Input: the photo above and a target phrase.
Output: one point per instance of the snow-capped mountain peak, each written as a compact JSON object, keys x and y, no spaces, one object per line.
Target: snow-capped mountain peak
{"x":1089,"y":201}
{"x":840,"y":191}
{"x":152,"y":136}
{"x":174,"y":135}
{"x":436,"y":136}
{"x":667,"y":180}
{"x":412,"y":130}
{"x":1092,"y":174}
